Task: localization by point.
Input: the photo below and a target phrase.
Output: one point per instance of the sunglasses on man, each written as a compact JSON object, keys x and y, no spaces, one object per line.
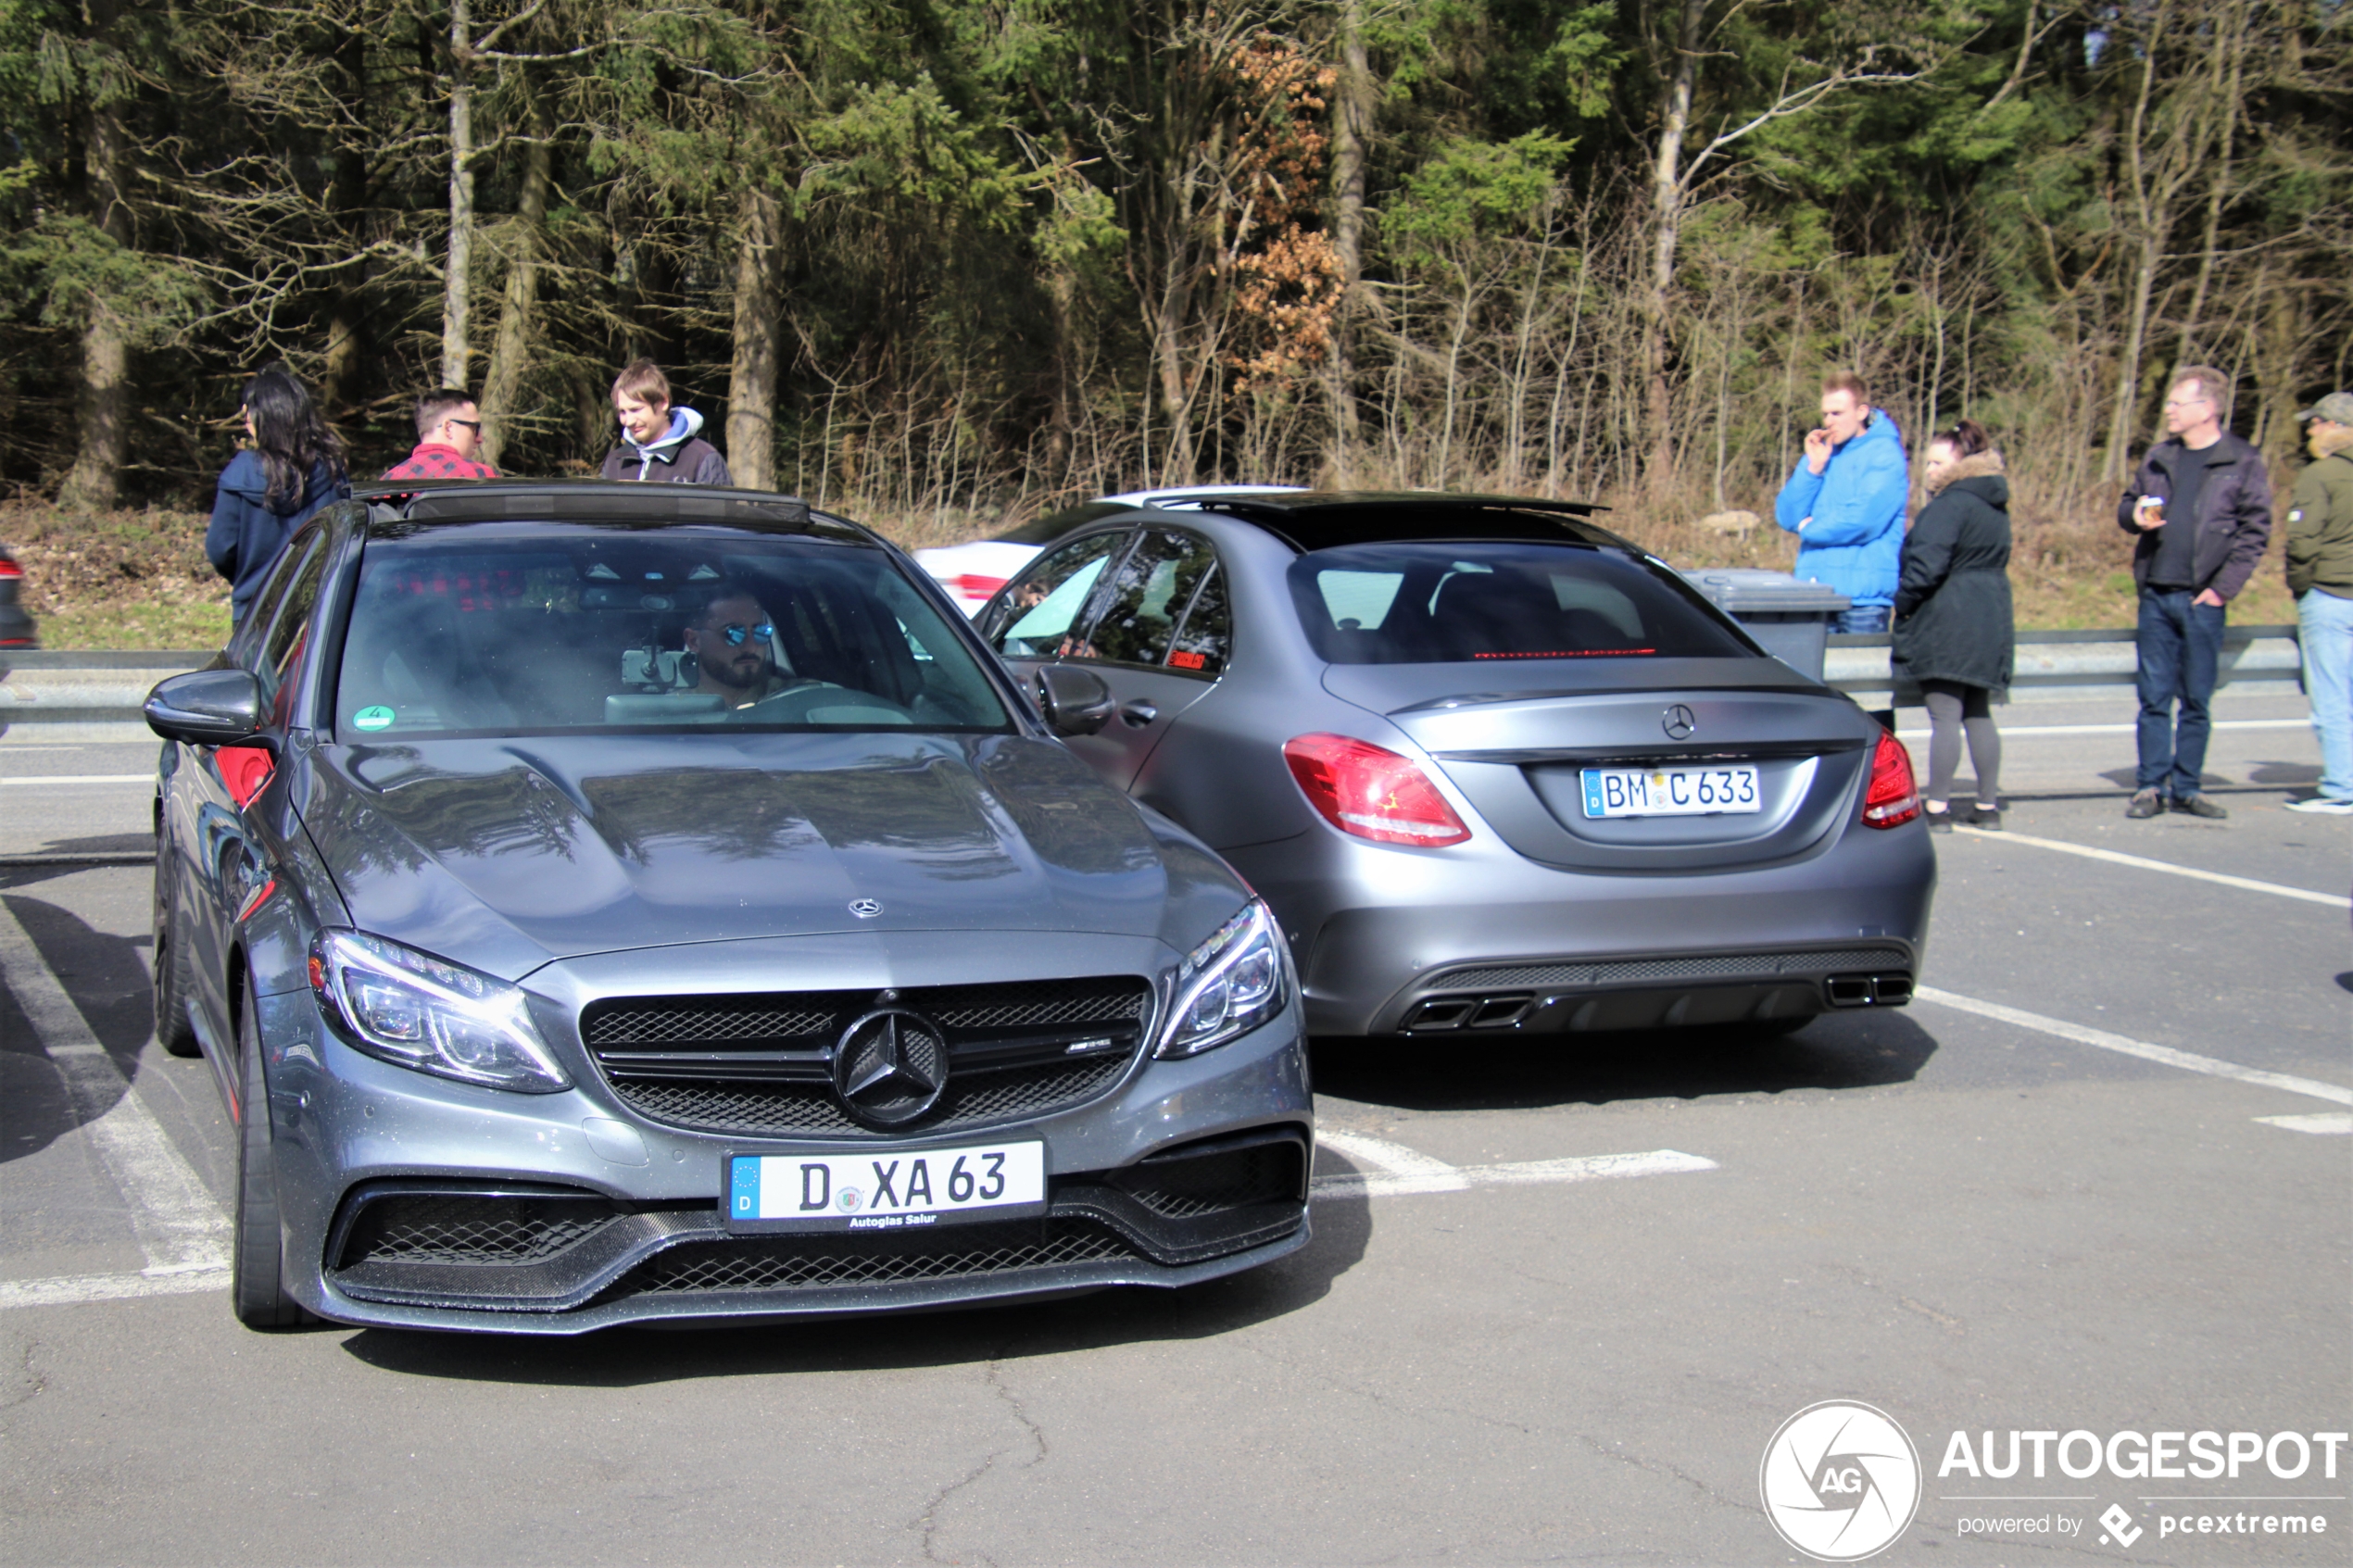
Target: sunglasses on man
{"x":735,"y":633}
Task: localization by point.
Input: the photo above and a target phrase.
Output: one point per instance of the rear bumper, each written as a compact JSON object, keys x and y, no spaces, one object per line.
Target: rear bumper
{"x":1379,"y":931}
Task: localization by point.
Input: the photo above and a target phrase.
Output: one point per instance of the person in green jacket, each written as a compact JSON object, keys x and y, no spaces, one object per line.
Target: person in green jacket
{"x":2320,"y":573}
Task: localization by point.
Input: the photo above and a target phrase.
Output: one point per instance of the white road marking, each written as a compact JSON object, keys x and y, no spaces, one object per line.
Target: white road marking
{"x":75,"y":1291}
{"x":35,"y":781}
{"x":1528,"y":1172}
{"x":2325,"y":1121}
{"x":181,"y":1229}
{"x":2334,"y":900}
{"x":2189,"y":1062}
{"x":1411,"y":1164}
{"x":2029,"y":731}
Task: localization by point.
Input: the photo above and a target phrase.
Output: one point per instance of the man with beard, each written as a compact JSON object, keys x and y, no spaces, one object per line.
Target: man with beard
{"x":731,"y":644}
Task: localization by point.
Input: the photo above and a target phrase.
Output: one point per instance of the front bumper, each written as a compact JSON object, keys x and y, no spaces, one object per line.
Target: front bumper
{"x":407,"y":1200}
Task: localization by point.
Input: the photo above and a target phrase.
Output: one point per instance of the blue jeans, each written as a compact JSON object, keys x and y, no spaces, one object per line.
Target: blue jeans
{"x":2181,"y":645}
{"x":2325,"y":626}
{"x":1861,"y":620}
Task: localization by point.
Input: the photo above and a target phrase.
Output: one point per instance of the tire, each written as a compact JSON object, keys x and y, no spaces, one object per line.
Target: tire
{"x":173,"y":1032}
{"x":257,"y":1281}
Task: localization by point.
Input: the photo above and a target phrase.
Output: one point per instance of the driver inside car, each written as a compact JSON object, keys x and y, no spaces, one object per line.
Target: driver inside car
{"x":731,"y":643}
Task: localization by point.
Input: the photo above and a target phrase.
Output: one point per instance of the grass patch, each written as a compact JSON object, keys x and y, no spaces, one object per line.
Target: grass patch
{"x":132,"y":623}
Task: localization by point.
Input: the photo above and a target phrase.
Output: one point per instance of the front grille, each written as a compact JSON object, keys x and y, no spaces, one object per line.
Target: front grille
{"x":1208,"y":1183}
{"x":793,"y":1263}
{"x":761,"y":1065}
{"x":809,"y":1110}
{"x":436,"y":1228}
{"x":1715,"y":966}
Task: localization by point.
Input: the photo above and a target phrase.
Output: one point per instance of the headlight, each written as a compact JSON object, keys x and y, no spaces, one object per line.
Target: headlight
{"x":1230,"y":984}
{"x":416,"y":1010}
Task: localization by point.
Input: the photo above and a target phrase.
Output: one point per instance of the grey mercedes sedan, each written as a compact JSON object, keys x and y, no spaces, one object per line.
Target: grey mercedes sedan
{"x":612,"y":903}
{"x":1496,"y":770}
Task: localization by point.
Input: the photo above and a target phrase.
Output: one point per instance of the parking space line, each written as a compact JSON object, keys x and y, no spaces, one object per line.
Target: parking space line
{"x":1396,"y":1159}
{"x":1527,"y":1173}
{"x":179,"y":1228}
{"x":2335,"y":901}
{"x":77,"y":1290}
{"x":36,"y":780}
{"x":2189,"y":1062}
{"x":2338,"y":1122}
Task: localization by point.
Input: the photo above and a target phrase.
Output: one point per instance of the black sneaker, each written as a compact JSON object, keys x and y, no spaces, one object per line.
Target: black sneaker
{"x":2145,"y":803}
{"x":2198,"y":806}
{"x":1938,"y":822}
{"x":1987,"y":817}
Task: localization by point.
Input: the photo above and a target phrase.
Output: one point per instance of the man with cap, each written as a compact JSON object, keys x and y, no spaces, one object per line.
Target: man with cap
{"x":2320,"y":573}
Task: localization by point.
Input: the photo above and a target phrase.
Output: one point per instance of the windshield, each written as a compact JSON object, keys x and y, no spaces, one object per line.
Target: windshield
{"x":503,"y":629}
{"x":1460,"y":602}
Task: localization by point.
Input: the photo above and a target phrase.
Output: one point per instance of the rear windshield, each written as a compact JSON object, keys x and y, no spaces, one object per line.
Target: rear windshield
{"x":1462,"y":602}
{"x":502,"y":629}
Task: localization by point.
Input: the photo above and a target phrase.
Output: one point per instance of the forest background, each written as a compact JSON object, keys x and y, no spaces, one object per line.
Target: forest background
{"x":942,"y":264}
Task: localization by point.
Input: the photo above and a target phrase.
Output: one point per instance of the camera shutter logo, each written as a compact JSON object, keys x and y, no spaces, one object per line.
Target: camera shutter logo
{"x":1841,"y":1481}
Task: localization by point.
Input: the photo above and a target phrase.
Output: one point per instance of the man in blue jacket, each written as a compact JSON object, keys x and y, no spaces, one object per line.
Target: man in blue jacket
{"x":1846,"y":503}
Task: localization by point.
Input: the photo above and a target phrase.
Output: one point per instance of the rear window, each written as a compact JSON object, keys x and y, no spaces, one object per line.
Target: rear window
{"x":502,"y":630}
{"x":1464,"y":602}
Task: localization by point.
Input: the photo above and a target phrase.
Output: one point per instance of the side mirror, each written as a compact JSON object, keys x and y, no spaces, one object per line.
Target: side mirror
{"x":207,"y":708}
{"x":1075,"y":701}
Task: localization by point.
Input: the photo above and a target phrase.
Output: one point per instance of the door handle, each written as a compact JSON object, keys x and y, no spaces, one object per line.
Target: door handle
{"x":1138,"y":714}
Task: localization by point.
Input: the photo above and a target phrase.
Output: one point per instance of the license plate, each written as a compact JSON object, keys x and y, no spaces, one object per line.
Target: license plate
{"x":903,"y":1190}
{"x":1669,"y":792}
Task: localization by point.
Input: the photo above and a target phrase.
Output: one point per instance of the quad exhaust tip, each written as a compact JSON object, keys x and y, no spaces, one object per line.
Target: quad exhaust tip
{"x":1509,"y":1011}
{"x":1868,"y":990}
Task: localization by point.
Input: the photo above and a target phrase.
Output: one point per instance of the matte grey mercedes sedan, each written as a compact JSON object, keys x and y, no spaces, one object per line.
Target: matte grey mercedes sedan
{"x":1496,"y":770}
{"x":612,"y":903}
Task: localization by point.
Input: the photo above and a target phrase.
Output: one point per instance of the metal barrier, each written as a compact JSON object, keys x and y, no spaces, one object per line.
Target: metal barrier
{"x":2256,"y":659}
{"x":62,"y":686}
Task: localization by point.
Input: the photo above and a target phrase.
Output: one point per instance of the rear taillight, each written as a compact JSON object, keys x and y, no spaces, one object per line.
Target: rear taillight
{"x":1374,"y":794}
{"x":9,"y":569}
{"x":1892,"y":800}
{"x":972,"y":585}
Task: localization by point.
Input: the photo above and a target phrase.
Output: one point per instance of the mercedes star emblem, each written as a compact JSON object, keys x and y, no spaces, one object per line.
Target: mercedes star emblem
{"x":865,"y":908}
{"x":1678,"y":723}
{"x":889,"y":1068}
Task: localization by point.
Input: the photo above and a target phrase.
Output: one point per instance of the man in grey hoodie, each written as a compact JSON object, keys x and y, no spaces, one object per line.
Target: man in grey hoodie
{"x":659,"y":442}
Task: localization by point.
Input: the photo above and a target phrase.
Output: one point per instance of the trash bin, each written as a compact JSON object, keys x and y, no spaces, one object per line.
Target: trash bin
{"x":1788,"y":616}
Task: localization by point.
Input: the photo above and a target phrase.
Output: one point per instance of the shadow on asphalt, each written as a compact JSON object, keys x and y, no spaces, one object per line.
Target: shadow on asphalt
{"x":1839,"y":1051}
{"x":108,"y":982}
{"x":624,"y":1358}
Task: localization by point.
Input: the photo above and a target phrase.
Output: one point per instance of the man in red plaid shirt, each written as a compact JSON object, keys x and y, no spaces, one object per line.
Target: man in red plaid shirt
{"x":449,"y":429}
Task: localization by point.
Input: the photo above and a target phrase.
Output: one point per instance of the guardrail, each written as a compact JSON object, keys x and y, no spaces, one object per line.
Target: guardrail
{"x":63,"y":686}
{"x":86,"y":686}
{"x":2255,"y":660}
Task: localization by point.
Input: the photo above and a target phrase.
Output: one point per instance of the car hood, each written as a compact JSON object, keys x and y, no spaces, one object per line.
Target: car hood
{"x":505,"y":854}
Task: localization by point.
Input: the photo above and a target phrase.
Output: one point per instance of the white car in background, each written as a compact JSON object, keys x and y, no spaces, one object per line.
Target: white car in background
{"x":972,"y":573}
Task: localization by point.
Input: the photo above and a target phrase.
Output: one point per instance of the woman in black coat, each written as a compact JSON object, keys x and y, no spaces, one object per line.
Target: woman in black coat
{"x":1954,"y":633}
{"x":295,"y":467}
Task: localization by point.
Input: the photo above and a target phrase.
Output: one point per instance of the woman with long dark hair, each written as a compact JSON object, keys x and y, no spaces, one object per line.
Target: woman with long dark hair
{"x":295,"y":467}
{"x":1954,"y":633}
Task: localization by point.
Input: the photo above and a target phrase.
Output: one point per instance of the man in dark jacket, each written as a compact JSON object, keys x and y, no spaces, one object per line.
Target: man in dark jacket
{"x":2320,"y":573}
{"x":659,"y":442}
{"x":2200,"y":512}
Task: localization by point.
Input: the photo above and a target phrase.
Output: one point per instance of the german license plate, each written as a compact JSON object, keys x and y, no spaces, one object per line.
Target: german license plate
{"x":1669,"y":792}
{"x":902,"y":1190}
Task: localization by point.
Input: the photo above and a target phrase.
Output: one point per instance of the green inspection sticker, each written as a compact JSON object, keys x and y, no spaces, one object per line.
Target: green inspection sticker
{"x":372,"y":718}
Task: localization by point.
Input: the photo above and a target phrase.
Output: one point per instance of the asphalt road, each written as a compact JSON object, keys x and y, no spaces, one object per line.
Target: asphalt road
{"x":2097,"y":1181}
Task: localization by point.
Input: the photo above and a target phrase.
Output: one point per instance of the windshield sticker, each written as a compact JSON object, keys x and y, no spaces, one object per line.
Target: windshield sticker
{"x":372,"y":718}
